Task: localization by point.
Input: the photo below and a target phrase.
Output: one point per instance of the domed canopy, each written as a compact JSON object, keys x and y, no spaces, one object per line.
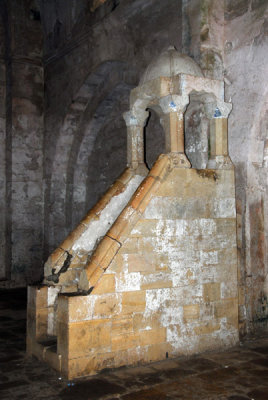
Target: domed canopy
{"x":171,"y":63}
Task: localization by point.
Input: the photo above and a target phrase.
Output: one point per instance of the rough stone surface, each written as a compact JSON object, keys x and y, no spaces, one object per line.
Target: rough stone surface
{"x":58,"y":156}
{"x":241,"y":44}
{"x":23,"y":145}
{"x":239,"y":373}
{"x":63,"y":146}
{"x":99,"y":73}
{"x":170,"y":290}
{"x":250,"y":116}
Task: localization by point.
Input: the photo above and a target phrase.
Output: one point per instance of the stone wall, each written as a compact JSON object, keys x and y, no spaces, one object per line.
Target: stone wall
{"x":65,"y":264}
{"x":229,"y":40}
{"x":109,"y":45}
{"x":246,"y":45}
{"x":61,"y":155}
{"x":4,"y":139}
{"x":163,"y":282}
{"x":22,"y":120}
{"x":94,"y":53}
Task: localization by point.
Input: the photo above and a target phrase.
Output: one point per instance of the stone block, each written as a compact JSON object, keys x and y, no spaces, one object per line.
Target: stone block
{"x":72,"y":237}
{"x":223,"y":208}
{"x":41,"y":323}
{"x":139,"y":263}
{"x":123,"y":224}
{"x":147,"y":246}
{"x":152,"y":336}
{"x":229,"y":288}
{"x":156,"y":281}
{"x":36,"y":349}
{"x":133,"y":302}
{"x":105,"y":285}
{"x":227,"y":308}
{"x":207,"y":328}
{"x":175,"y":184}
{"x":37,"y":297}
{"x":191,"y":312}
{"x":127,"y":281}
{"x":125,"y":341}
{"x":176,"y":208}
{"x":63,"y":340}
{"x":145,"y":227}
{"x":144,"y":193}
{"x":82,"y":366}
{"x":122,"y":326}
{"x":212,"y":291}
{"x":75,"y":308}
{"x":125,"y":176}
{"x":133,"y":356}
{"x":52,"y":358}
{"x":225,"y":226}
{"x":69,"y":288}
{"x":79,"y":260}
{"x":156,"y":352}
{"x":68,"y":277}
{"x":90,"y":217}
{"x":105,"y":252}
{"x":131,"y":246}
{"x":117,"y":265}
{"x":143,"y":322}
{"x":58,"y":256}
{"x":107,"y":305}
{"x":85,"y":336}
{"x":229,"y":254}
{"x":160,"y":168}
{"x":93,"y":273}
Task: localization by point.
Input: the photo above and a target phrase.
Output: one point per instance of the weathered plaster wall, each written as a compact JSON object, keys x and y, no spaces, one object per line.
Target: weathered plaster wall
{"x":62,"y":155}
{"x":4,"y":57}
{"x":162,"y":283}
{"x":102,"y":58}
{"x":246,"y":71}
{"x":65,"y":264}
{"x":94,"y":53}
{"x":229,"y":40}
{"x":22,"y":120}
{"x":27,"y":142}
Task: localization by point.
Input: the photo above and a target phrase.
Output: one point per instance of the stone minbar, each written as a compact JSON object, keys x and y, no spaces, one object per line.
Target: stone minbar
{"x":151,"y":271}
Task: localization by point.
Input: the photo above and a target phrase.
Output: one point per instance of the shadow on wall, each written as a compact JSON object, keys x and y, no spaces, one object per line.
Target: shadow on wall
{"x":90,"y":148}
{"x":154,"y":139}
{"x":196,"y":134}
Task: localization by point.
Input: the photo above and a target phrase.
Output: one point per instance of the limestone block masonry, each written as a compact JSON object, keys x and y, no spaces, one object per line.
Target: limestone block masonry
{"x":170,"y":286}
{"x":156,"y":276}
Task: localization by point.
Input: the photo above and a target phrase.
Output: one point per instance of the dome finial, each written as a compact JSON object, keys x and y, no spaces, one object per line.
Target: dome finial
{"x":161,"y":66}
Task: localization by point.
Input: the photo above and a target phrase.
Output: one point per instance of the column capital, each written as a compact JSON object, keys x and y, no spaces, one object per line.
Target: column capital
{"x":174,"y":103}
{"x":133,"y":119}
{"x":218,"y":109}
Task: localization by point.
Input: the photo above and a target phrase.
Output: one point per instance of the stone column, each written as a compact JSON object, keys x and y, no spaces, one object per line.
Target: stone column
{"x":172,"y":120}
{"x":174,"y":132}
{"x":135,"y":141}
{"x":219,"y":156}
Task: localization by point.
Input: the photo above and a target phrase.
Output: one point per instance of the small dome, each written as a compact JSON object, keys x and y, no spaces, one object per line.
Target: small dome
{"x":171,"y":63}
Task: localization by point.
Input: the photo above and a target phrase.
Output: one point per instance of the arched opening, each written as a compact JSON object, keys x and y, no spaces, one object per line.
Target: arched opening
{"x":154,"y":139}
{"x":102,"y":153}
{"x":196,"y":128}
{"x":100,"y":100}
{"x":108,"y":157}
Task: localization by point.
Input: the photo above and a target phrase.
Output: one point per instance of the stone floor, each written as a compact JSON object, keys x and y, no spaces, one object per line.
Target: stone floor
{"x":236,"y":374}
